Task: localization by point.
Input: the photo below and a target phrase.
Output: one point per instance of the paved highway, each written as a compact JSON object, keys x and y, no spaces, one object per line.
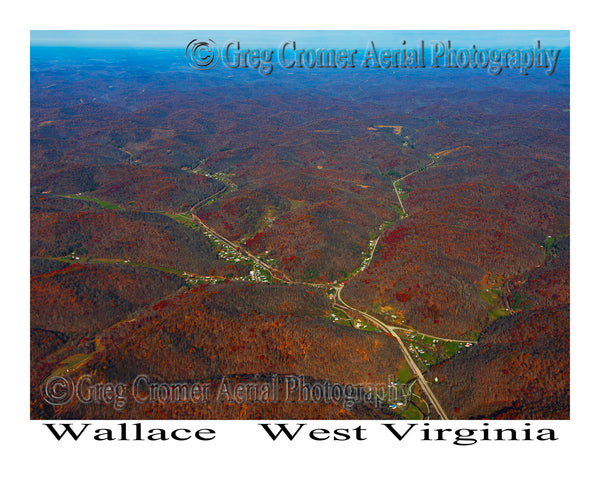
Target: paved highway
{"x":411,"y":363}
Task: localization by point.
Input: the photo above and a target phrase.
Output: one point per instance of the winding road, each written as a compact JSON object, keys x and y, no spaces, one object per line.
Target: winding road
{"x":340,"y":303}
{"x":283,"y":278}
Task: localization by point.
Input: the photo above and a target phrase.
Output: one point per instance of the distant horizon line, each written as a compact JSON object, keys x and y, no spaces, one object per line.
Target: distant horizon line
{"x":174,"y":39}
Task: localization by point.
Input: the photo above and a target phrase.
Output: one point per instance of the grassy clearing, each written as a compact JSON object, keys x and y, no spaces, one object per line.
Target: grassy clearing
{"x":550,"y":244}
{"x":492,"y":296}
{"x":339,"y":313}
{"x":71,"y":363}
{"x":411,"y":413}
{"x":414,"y":410}
{"x":183,"y":219}
{"x":367,"y":327}
{"x":121,"y":261}
{"x":102,"y":203}
{"x":344,"y":322}
{"x":496,"y":313}
{"x":294,"y":204}
{"x":397,"y":129}
{"x":339,"y":316}
{"x":451,"y":348}
{"x":404,"y":375}
{"x":398,"y":210}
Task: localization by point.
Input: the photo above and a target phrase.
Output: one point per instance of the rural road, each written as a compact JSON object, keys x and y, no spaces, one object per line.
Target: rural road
{"x":411,"y":363}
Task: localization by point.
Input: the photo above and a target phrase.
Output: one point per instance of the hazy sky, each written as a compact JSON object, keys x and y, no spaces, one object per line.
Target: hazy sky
{"x":311,"y":39}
